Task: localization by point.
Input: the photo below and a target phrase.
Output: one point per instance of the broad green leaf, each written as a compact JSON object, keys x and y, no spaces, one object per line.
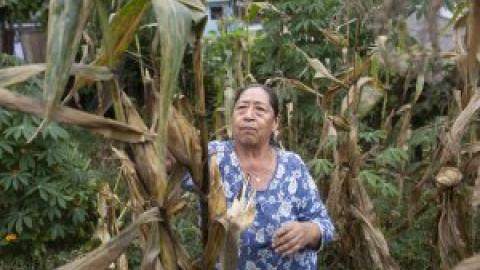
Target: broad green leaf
{"x":28,"y":221}
{"x":24,"y":131}
{"x":56,"y":132}
{"x":321,"y":167}
{"x":14,"y":179}
{"x":5,"y":147}
{"x":123,"y":27}
{"x":394,"y":157}
{"x":66,"y":21}
{"x":372,"y":137}
{"x":371,"y":178}
{"x":27,"y":162}
{"x":43,"y":194}
{"x":253,"y":10}
{"x":52,"y":213}
{"x":53,"y":155}
{"x":61,"y":202}
{"x":4,"y":117}
{"x":122,"y":30}
{"x":19,"y":225}
{"x":79,"y":215}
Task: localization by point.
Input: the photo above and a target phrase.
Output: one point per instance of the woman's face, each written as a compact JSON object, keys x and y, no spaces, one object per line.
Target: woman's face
{"x":253,"y":119}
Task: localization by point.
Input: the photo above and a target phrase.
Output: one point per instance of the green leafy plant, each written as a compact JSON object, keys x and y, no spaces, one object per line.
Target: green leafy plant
{"x":48,"y":191}
{"x":321,"y":167}
{"x":392,"y":157}
{"x":378,"y":183}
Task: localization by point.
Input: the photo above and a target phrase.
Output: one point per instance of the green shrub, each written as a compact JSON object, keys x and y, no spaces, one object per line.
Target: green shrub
{"x":48,"y":191}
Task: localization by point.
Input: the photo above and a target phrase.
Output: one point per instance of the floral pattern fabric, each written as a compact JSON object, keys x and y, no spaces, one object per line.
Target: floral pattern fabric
{"x":290,"y":196}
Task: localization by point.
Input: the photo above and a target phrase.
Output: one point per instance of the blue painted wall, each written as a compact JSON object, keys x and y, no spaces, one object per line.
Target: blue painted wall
{"x":212,"y":24}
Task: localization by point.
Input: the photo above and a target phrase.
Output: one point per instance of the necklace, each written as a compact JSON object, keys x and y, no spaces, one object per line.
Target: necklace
{"x":257,"y":175}
{"x":249,"y":177}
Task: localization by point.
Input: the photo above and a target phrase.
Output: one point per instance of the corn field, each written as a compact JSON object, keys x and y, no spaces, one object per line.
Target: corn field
{"x":447,"y":178}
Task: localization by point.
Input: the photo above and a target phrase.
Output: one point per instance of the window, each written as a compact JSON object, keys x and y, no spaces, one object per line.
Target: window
{"x":240,"y":10}
{"x":216,"y":13}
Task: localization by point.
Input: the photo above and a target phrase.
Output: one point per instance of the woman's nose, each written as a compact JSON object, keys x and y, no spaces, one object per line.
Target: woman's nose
{"x":249,"y":113}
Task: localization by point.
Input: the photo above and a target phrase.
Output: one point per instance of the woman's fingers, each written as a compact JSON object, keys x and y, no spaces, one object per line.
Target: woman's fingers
{"x":290,"y":238}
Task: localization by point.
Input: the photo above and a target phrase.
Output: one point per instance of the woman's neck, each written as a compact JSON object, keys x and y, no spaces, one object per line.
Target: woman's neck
{"x":253,"y":152}
{"x":257,"y":163}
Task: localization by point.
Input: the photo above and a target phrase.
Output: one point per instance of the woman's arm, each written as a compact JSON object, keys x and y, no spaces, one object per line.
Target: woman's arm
{"x":313,"y":227}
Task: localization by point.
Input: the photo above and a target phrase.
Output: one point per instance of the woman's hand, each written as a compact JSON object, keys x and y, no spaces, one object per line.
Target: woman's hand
{"x":294,"y":235}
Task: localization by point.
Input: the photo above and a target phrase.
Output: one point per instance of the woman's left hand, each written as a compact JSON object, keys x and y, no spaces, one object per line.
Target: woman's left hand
{"x":294,"y":235}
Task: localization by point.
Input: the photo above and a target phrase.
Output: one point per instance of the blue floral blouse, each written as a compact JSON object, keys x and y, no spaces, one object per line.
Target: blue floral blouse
{"x":290,"y":196}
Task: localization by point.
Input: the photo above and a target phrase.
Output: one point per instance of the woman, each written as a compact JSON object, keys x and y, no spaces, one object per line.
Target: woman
{"x":291,"y":222}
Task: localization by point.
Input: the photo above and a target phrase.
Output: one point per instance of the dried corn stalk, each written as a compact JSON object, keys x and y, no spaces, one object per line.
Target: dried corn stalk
{"x":451,"y":241}
{"x":347,"y":200}
{"x":108,"y":224}
{"x":226,"y":225}
{"x":102,"y":256}
{"x":178,"y":22}
{"x":472,"y":263}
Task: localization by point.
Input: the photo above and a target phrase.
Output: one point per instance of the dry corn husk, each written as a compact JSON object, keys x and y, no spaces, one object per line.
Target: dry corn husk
{"x":472,"y":263}
{"x":448,"y":177}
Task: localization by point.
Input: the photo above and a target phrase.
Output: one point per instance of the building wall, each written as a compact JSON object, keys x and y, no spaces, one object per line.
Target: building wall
{"x":418,"y":29}
{"x":213,"y":19}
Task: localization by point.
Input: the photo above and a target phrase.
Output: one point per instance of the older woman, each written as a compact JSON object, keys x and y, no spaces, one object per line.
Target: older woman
{"x":291,"y":222}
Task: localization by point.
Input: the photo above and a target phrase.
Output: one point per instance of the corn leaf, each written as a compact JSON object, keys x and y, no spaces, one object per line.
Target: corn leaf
{"x":293,"y":83}
{"x":196,"y":6}
{"x":459,"y":127}
{"x":106,"y":127}
{"x":476,"y":191}
{"x":175,"y":25}
{"x":14,"y":75}
{"x":160,"y":245}
{"x":320,"y":70}
{"x":376,"y":242}
{"x":473,"y":39}
{"x":66,"y":21}
{"x":184,"y":144}
{"x":102,"y":256}
{"x":123,"y":27}
{"x":370,"y":95}
{"x":217,"y":231}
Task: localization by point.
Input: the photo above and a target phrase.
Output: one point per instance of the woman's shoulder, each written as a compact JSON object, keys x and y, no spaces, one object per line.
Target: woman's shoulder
{"x":219,"y":146}
{"x":290,"y":157}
